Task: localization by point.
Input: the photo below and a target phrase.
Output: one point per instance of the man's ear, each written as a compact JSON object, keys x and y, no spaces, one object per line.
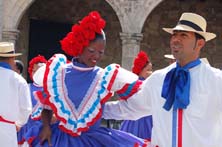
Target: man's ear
{"x":200,"y":44}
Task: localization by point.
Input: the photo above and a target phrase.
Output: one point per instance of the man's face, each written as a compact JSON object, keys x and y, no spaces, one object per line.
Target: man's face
{"x":184,"y":46}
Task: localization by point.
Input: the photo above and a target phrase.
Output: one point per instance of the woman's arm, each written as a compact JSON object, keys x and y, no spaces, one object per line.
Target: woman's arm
{"x":45,"y":133}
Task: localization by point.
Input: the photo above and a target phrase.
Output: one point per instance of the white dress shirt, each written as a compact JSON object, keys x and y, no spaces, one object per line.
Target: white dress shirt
{"x":15,"y":105}
{"x":201,"y":121}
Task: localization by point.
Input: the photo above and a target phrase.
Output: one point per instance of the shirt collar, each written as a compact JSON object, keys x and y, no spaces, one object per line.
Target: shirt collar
{"x":5,"y":65}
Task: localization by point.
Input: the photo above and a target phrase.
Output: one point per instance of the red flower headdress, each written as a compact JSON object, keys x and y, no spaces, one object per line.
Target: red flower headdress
{"x":140,"y":62}
{"x":82,"y":34}
{"x":37,"y":59}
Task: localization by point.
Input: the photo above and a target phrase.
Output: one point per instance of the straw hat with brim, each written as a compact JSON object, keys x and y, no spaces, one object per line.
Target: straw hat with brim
{"x":169,"y":56}
{"x":7,"y":50}
{"x":193,"y":23}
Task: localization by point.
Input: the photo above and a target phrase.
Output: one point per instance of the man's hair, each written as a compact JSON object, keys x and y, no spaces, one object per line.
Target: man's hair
{"x":4,"y":58}
{"x":198,"y":36}
{"x":19,"y":65}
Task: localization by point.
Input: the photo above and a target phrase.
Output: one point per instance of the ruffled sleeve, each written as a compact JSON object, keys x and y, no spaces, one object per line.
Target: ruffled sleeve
{"x":36,"y":111}
{"x":72,"y":121}
{"x":121,"y":81}
{"x":41,"y":98}
{"x":52,"y":84}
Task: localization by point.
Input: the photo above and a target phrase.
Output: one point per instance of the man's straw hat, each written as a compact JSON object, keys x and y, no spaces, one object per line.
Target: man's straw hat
{"x":193,"y":23}
{"x":7,"y":50}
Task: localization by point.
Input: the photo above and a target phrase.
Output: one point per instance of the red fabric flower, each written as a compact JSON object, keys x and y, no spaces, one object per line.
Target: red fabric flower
{"x":140,"y":62}
{"x":82,"y":33}
{"x":35,"y":60}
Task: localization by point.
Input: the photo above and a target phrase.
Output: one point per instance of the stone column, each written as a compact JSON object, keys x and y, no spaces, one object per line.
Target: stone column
{"x":130,"y":48}
{"x":10,"y":35}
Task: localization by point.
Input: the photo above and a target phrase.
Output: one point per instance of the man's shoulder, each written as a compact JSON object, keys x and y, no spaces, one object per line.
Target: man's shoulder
{"x":12,"y":77}
{"x":164,"y":70}
{"x":210,"y":71}
{"x":18,"y":78}
{"x":159,"y":75}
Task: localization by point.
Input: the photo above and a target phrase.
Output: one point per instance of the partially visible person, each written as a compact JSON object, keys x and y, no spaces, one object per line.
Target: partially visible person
{"x":185,"y":98}
{"x":170,"y":58}
{"x":205,"y":60}
{"x":15,"y":106}
{"x":142,"y":127}
{"x":34,"y":121}
{"x":76,"y":91}
{"x":19,"y":66}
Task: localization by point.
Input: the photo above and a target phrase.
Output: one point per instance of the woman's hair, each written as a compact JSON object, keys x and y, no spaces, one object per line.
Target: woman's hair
{"x":101,"y":36}
{"x":89,"y":29}
{"x":141,"y":60}
{"x":35,"y":60}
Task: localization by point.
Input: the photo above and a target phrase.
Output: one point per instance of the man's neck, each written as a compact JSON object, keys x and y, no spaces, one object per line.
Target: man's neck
{"x":182,"y":63}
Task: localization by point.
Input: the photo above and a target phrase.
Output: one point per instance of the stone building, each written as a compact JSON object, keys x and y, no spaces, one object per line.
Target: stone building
{"x":36,"y":26}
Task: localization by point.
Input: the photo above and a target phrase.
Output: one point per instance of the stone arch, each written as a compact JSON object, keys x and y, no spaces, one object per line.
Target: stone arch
{"x":132,"y":14}
{"x":149,"y":7}
{"x":115,"y":7}
{"x":15,"y":22}
{"x":14,"y":11}
{"x":19,"y":11}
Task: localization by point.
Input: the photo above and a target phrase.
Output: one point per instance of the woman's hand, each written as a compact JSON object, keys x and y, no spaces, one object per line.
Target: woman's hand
{"x":18,"y":128}
{"x":45,"y":135}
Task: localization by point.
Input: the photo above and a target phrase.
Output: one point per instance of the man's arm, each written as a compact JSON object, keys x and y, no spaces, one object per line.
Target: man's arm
{"x":135,"y":107}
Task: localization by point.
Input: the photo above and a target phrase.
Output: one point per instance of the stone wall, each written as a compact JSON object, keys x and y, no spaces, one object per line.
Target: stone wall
{"x":156,"y":42}
{"x":70,"y":11}
{"x":22,"y":43}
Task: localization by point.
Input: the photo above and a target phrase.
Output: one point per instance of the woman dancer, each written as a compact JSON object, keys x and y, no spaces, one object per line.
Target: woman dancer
{"x":77,"y":91}
{"x":143,"y":126}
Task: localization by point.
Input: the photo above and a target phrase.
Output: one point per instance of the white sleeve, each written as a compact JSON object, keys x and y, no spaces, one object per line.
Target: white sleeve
{"x":25,"y":104}
{"x":121,"y":81}
{"x":135,"y":107}
{"x":122,"y":77}
{"x":219,"y":91}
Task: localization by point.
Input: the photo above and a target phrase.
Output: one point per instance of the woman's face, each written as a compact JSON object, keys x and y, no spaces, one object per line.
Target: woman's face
{"x":147,"y":71}
{"x":36,"y":67}
{"x":93,"y":53}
